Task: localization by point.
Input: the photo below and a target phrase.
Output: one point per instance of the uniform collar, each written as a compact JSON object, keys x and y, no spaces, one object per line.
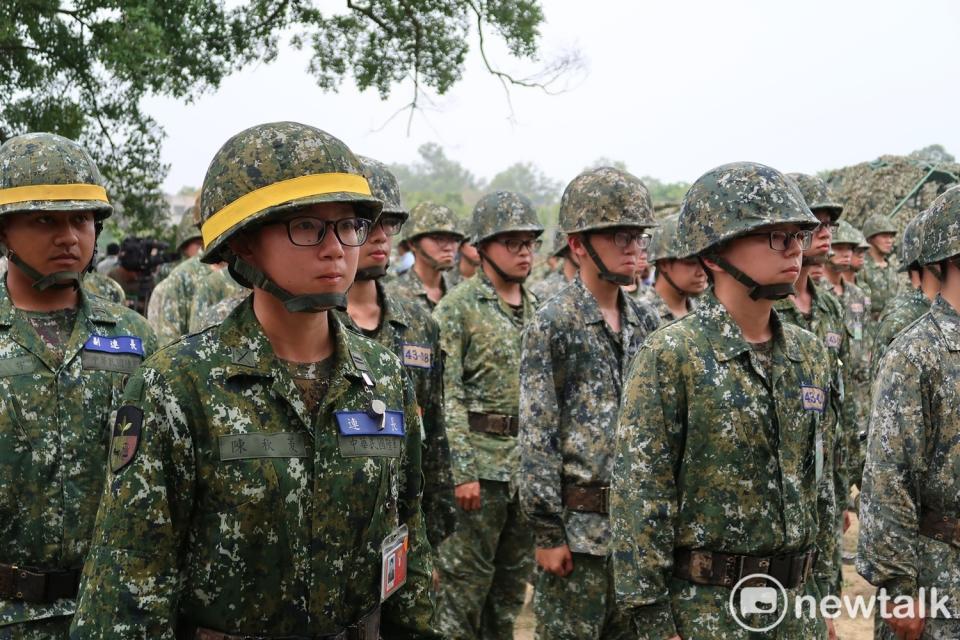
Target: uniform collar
{"x":486,"y":290}
{"x":727,"y":338}
{"x":948,"y":322}
{"x":590,"y":310}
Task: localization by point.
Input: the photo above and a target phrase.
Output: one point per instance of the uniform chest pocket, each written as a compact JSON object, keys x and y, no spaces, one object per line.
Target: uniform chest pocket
{"x":246,"y":469}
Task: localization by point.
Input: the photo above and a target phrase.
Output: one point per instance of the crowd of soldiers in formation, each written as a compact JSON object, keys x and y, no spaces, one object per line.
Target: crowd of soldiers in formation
{"x":356,"y":450}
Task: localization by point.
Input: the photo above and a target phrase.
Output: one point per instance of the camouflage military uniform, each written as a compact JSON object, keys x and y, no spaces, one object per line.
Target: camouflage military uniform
{"x":100,"y":284}
{"x":214,"y":286}
{"x":549,"y":286}
{"x":571,"y":379}
{"x":856,"y":319}
{"x":653,"y":299}
{"x":218,"y":521}
{"x":902,"y":311}
{"x":883,"y":282}
{"x":698,"y":406}
{"x":408,"y":285}
{"x":169,"y":307}
{"x":485,"y":563}
{"x":414,"y":337}
{"x":911,"y":466}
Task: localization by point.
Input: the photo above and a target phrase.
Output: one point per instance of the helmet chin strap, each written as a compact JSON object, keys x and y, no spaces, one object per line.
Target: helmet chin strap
{"x":605,"y":274}
{"x":55,"y":280}
{"x":430,"y":260}
{"x":755,"y":291}
{"x":809,"y":261}
{"x":306,"y":303}
{"x":663,"y":274}
{"x":371,"y":273}
{"x":839,"y":268}
{"x":500,"y":272}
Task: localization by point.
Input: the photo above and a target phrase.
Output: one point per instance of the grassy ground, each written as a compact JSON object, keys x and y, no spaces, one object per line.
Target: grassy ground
{"x":847,"y":629}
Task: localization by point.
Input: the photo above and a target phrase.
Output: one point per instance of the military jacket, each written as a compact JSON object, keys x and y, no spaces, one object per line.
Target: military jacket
{"x":912,"y":460}
{"x":660,"y":306}
{"x":884,"y":282}
{"x":571,"y":383}
{"x":409,"y":285}
{"x":414,"y":337}
{"x":481,"y":338}
{"x":241,"y":512}
{"x":549,"y":285}
{"x":711,"y":454}
{"x":54,"y":435}
{"x":100,"y":284}
{"x":900,"y":313}
{"x":169,"y":308}
{"x":214,"y":286}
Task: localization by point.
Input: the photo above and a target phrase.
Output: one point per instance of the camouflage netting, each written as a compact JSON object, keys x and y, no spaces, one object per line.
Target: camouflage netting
{"x":879,"y":186}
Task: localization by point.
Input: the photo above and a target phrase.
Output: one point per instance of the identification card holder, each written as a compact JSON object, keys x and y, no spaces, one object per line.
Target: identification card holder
{"x":394,"y":562}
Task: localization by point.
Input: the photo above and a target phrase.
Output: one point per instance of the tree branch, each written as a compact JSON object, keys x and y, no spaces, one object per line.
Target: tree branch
{"x":368,"y":13}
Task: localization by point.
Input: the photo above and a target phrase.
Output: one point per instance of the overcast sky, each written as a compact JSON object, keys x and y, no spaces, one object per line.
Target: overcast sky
{"x":672,"y":88}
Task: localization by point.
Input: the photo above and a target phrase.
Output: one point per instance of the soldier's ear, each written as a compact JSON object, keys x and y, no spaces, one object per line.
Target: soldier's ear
{"x":575,"y":242}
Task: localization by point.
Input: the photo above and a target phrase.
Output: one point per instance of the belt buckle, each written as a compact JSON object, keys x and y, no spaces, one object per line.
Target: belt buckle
{"x":733,"y":570}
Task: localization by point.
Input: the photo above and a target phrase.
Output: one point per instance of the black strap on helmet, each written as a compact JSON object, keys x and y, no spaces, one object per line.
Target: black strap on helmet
{"x":605,"y":274}
{"x":500,"y":272}
{"x":756,"y":291}
{"x":307,"y":303}
{"x":663,"y":274}
{"x":370,"y":273}
{"x":430,"y":260}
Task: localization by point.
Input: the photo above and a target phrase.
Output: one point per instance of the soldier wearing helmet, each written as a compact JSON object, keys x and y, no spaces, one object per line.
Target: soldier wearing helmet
{"x":485,"y":564}
{"x":66,"y":357}
{"x":433,"y":235}
{"x":411,"y":333}
{"x":719,"y":468}
{"x":909,"y":505}
{"x":678,"y":281}
{"x":575,"y":356}
{"x":563,"y":268}
{"x":880,"y":267}
{"x":187,"y":241}
{"x":265,"y":476}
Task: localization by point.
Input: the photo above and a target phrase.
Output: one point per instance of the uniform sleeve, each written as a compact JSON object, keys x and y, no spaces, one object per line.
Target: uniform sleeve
{"x":643,"y":498}
{"x":826,"y":572}
{"x":541,"y":460}
{"x":409,"y":614}
{"x":452,"y":341}
{"x":162,"y":313}
{"x":129,"y":587}
{"x":889,"y":504}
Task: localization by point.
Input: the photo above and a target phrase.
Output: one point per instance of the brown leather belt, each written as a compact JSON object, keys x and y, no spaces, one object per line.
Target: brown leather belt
{"x":494,"y":423}
{"x":367,"y":628}
{"x":726,"y":569}
{"x":940,"y":527}
{"x":37,"y":585}
{"x":587,"y":499}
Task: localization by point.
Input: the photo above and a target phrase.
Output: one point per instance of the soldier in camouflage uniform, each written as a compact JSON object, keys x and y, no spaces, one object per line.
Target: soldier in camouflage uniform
{"x":909,"y":507}
{"x":575,"y":356}
{"x":265,"y":475}
{"x":485,"y":564}
{"x":467,"y":263}
{"x":217,"y":285}
{"x":188,"y":241}
{"x":719,"y":470}
{"x":433,"y":235}
{"x":412,"y":334}
{"x":677,"y":281}
{"x":914,"y":301}
{"x":562,"y":275}
{"x":64,"y":358}
{"x":879,"y":269}
{"x":100,"y":284}
{"x":169,"y":308}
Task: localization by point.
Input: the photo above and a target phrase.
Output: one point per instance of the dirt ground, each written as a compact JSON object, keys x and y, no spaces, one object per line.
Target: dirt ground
{"x":847,"y":629}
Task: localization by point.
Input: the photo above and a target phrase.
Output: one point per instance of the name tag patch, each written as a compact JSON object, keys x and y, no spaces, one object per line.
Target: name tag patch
{"x":417,"y":355}
{"x":126,"y":437}
{"x":856,"y":307}
{"x":362,"y":435}
{"x":243,"y":446}
{"x":119,"y":362}
{"x":833,"y":340}
{"x":813,"y":398}
{"x":115,"y":344}
{"x":17,"y":366}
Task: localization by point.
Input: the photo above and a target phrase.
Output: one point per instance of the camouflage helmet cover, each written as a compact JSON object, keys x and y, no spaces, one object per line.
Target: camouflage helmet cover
{"x":560,"y":245}
{"x":272,"y":168}
{"x":735,"y":199}
{"x":877,"y":223}
{"x":384,"y":186}
{"x":430,"y":217}
{"x":846,"y":234}
{"x":605,"y":198}
{"x":47,"y":172}
{"x":663,"y":241}
{"x":940,"y":233}
{"x":817,"y":195}
{"x":503,"y":212}
{"x":911,"y":244}
{"x":187,"y":229}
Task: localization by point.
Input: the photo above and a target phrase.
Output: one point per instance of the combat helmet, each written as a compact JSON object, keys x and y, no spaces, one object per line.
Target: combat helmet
{"x":817,"y":195}
{"x":498,"y":213}
{"x":911,"y":244}
{"x":189,"y":228}
{"x":846,"y":234}
{"x":605,"y":198}
{"x":876,"y":224}
{"x":265,"y":171}
{"x":47,"y":172}
{"x":941,"y":230}
{"x":560,"y":248}
{"x":733,"y":200}
{"x":384,"y":187}
{"x":663,"y":240}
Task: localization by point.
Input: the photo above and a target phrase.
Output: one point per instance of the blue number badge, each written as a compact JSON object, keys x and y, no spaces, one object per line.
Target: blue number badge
{"x":362,"y":435}
{"x":121,"y":354}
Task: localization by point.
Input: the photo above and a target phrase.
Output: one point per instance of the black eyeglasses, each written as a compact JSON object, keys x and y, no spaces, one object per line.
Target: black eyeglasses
{"x":781,"y":240}
{"x":307,"y":232}
{"x":391,"y":226}
{"x":443,"y":239}
{"x":624,"y":238}
{"x":514,"y":245}
{"x":833,"y":226}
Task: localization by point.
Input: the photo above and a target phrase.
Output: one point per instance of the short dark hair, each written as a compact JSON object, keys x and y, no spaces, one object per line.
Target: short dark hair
{"x":113,"y":249}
